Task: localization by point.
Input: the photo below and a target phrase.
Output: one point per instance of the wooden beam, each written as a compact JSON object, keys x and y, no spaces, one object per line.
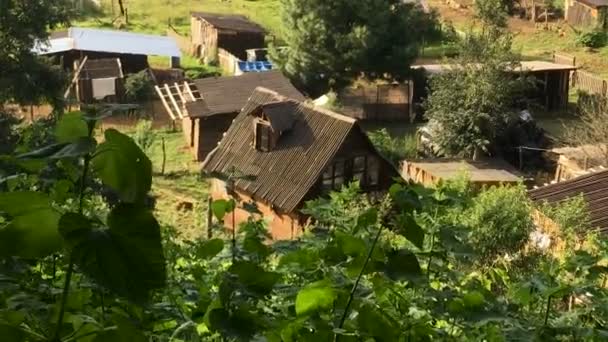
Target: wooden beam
{"x":180,"y":93}
{"x":165,"y":104}
{"x":189,"y":90}
{"x":177,"y":109}
{"x":76,"y":76}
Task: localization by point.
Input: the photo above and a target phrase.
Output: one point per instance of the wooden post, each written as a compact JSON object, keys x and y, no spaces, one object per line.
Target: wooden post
{"x":209,"y":219}
{"x":32,"y":113}
{"x":162,"y":170}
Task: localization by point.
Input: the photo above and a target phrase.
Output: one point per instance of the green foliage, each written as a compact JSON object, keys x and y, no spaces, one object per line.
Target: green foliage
{"x":500,"y":221}
{"x":394,"y":149}
{"x":139,"y":87}
{"x":26,"y":79}
{"x":572,"y":216}
{"x":144,"y":136}
{"x":473,"y":102}
{"x":332,"y":43}
{"x":493,"y":13}
{"x":592,"y":39}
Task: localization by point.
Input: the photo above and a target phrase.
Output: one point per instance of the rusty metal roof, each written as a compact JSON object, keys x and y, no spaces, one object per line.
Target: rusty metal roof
{"x":239,"y":23}
{"x":285,"y":175}
{"x":593,"y":187}
{"x":229,"y":94}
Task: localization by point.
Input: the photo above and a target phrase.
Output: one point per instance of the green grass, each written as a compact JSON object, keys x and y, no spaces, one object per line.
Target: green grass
{"x":152,"y":16}
{"x":181,"y":183}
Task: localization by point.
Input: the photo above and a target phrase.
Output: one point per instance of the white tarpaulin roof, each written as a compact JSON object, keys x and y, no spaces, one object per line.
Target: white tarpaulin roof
{"x":87,"y":39}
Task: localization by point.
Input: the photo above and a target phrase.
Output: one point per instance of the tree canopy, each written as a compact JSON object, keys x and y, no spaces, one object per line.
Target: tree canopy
{"x":24,"y":78}
{"x":330,"y":43}
{"x":476,"y":98}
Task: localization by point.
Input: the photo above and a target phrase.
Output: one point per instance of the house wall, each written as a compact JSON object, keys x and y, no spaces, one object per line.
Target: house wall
{"x":281,"y":226}
{"x":385,"y":102}
{"x":210,"y":131}
{"x":204,"y":39}
{"x":579,"y":14}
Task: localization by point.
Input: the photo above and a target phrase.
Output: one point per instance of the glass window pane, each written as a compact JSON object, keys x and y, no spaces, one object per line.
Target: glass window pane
{"x":338,"y":182}
{"x":359,"y":177}
{"x":326,"y":184}
{"x":328,"y":173}
{"x":359,"y":163}
{"x":339,"y":166}
{"x":373,"y":171}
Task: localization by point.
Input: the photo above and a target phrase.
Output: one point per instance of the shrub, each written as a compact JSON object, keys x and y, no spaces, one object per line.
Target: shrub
{"x":500,"y":221}
{"x":139,"y":87}
{"x":592,"y":39}
{"x":394,"y":149}
{"x":144,"y":135}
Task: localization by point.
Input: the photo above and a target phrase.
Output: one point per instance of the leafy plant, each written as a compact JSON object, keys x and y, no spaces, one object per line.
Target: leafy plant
{"x":144,"y":136}
{"x":139,"y":87}
{"x":395,"y":149}
{"x":592,"y":39}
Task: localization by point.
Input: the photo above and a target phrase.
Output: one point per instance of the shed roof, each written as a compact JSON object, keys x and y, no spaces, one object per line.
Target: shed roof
{"x":593,"y":187}
{"x":529,"y":66}
{"x":285,"y":175}
{"x":233,"y":22}
{"x":480,"y":171}
{"x":229,"y":94}
{"x":595,"y":3}
{"x":120,"y":42}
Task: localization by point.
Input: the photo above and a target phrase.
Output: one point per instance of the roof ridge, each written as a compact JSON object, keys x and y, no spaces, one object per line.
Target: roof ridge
{"x":328,"y":112}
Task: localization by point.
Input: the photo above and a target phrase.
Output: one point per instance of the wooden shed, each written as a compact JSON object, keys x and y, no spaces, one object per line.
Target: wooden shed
{"x":486,"y":172}
{"x":589,"y":13}
{"x":552,"y":86}
{"x":378,"y":102}
{"x":100,"y":80}
{"x":233,"y":33}
{"x":573,"y":162}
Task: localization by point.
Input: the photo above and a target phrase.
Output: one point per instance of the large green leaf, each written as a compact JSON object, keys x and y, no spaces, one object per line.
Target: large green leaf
{"x":221,"y":207}
{"x":79,"y":147}
{"x":407,"y":226}
{"x":32,"y":230}
{"x":402,"y":265}
{"x":122,"y":166}
{"x":210,"y":248}
{"x":70,"y":127}
{"x":254,"y":277}
{"x":375,"y":324}
{"x":126,"y":257}
{"x":125,"y":332}
{"x":315,"y":297}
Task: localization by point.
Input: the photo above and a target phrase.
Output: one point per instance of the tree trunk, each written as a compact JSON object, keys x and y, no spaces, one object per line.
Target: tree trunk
{"x":122,"y":7}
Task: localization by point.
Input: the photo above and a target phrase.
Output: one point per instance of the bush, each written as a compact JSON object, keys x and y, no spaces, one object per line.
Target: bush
{"x":500,"y":221}
{"x":197,"y":72}
{"x":394,"y":149}
{"x":592,"y":39}
{"x":144,"y":135}
{"x":139,"y":87}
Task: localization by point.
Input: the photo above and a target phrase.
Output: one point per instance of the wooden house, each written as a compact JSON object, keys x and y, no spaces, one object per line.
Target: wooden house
{"x":552,"y":86}
{"x":486,"y":172}
{"x":99,"y":80}
{"x":576,"y":161}
{"x":208,"y":106}
{"x":73,"y":45}
{"x":284,"y":152}
{"x":594,"y":189}
{"x":232,"y":33}
{"x":590,"y":13}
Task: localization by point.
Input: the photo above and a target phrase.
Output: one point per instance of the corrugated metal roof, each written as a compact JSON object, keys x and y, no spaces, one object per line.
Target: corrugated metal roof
{"x":593,"y":187}
{"x":285,"y":175}
{"x":230,"y":94}
{"x":231,"y":22}
{"x":87,"y":39}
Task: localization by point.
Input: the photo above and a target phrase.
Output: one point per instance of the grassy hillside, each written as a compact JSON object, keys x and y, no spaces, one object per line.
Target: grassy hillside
{"x":152,"y":16}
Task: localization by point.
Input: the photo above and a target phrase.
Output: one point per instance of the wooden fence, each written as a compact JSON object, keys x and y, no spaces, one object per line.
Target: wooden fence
{"x":386,"y":102}
{"x":581,"y":79}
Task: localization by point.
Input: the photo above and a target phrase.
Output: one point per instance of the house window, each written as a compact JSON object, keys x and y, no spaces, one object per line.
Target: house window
{"x":365,"y":169}
{"x":263,"y":135}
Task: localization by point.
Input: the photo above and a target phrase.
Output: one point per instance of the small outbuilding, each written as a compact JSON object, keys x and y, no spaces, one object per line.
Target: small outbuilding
{"x":589,"y":13}
{"x":283,"y":153}
{"x":233,"y":33}
{"x":573,"y":162}
{"x":73,"y":45}
{"x":100,"y":80}
{"x":378,"y":102}
{"x":485,"y":172}
{"x":552,"y":86}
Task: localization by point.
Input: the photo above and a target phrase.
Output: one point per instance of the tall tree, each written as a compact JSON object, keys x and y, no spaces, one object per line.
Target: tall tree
{"x":332,"y":42}
{"x":473,"y":101}
{"x":25,"y":78}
